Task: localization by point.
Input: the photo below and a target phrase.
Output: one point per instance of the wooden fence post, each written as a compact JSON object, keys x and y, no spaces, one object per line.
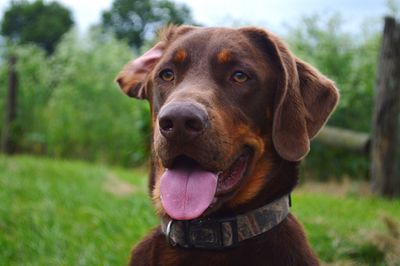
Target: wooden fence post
{"x":349,"y":140}
{"x":385,"y":141}
{"x":7,"y":137}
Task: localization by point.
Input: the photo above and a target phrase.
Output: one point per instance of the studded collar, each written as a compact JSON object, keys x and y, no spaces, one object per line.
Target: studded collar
{"x":220,"y":233}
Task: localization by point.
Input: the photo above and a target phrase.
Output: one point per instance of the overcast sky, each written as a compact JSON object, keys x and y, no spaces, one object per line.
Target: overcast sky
{"x":272,"y":14}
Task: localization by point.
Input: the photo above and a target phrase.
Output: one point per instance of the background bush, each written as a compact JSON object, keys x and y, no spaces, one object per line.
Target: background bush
{"x":88,"y":117}
{"x":69,"y":105}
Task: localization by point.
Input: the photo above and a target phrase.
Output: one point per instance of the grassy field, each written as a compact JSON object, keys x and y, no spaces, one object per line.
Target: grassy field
{"x":55,"y":212}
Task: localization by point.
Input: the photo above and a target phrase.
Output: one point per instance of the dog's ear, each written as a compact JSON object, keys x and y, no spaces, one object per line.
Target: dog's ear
{"x":303,"y":100}
{"x":304,"y":104}
{"x":132,"y":79}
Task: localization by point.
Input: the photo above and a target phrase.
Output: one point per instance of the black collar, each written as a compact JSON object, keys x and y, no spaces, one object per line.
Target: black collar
{"x":219,"y":233}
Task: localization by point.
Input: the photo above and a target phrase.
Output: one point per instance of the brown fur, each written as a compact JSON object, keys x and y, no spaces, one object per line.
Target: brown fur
{"x":274,"y":113}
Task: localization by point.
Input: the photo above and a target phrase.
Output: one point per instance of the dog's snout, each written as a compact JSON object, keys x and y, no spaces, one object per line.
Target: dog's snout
{"x":182,"y":121}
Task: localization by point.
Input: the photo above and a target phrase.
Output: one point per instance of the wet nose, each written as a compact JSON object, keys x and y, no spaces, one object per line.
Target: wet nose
{"x":182,"y":121}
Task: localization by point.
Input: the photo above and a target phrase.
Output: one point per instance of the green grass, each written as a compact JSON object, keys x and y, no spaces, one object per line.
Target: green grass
{"x":55,"y":212}
{"x":344,"y":228}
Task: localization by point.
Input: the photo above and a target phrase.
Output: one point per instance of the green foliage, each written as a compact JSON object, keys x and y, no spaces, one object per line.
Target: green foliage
{"x":38,"y":22}
{"x":3,"y":95}
{"x":137,"y":20}
{"x":69,"y":105}
{"x":350,"y":60}
{"x":33,"y":94}
{"x":88,"y":117}
{"x":56,"y":212}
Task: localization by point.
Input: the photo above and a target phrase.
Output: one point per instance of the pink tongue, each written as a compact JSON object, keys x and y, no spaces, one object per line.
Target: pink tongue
{"x":187,"y":193}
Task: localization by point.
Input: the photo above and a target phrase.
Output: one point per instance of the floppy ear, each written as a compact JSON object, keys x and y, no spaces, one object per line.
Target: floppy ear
{"x":132,"y":78}
{"x":303,"y":100}
{"x":301,"y":109}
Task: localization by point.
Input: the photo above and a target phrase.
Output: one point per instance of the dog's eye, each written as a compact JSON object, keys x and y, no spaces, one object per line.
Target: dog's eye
{"x":167,"y":75}
{"x":240,"y":77}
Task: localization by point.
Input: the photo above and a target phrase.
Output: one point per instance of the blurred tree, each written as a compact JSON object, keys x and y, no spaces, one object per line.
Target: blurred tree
{"x":7,"y":144}
{"x":38,"y":22}
{"x":136,"y":20}
{"x":393,"y":8}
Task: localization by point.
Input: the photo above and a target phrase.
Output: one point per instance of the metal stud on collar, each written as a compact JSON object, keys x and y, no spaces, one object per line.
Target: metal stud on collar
{"x":168,"y":233}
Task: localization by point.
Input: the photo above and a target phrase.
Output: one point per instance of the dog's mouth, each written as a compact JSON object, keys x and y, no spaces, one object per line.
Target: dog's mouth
{"x":187,"y":189}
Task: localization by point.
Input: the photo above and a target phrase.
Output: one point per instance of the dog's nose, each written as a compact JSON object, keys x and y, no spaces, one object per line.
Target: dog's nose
{"x":182,"y":121}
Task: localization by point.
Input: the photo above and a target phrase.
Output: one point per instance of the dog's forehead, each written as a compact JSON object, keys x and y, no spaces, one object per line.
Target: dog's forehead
{"x":218,"y":42}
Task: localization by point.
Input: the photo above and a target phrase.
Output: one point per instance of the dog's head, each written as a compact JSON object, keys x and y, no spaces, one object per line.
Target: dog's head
{"x":225,"y":103}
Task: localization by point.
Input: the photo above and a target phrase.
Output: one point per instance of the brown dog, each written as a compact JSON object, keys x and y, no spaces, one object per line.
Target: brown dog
{"x":233,"y":112}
